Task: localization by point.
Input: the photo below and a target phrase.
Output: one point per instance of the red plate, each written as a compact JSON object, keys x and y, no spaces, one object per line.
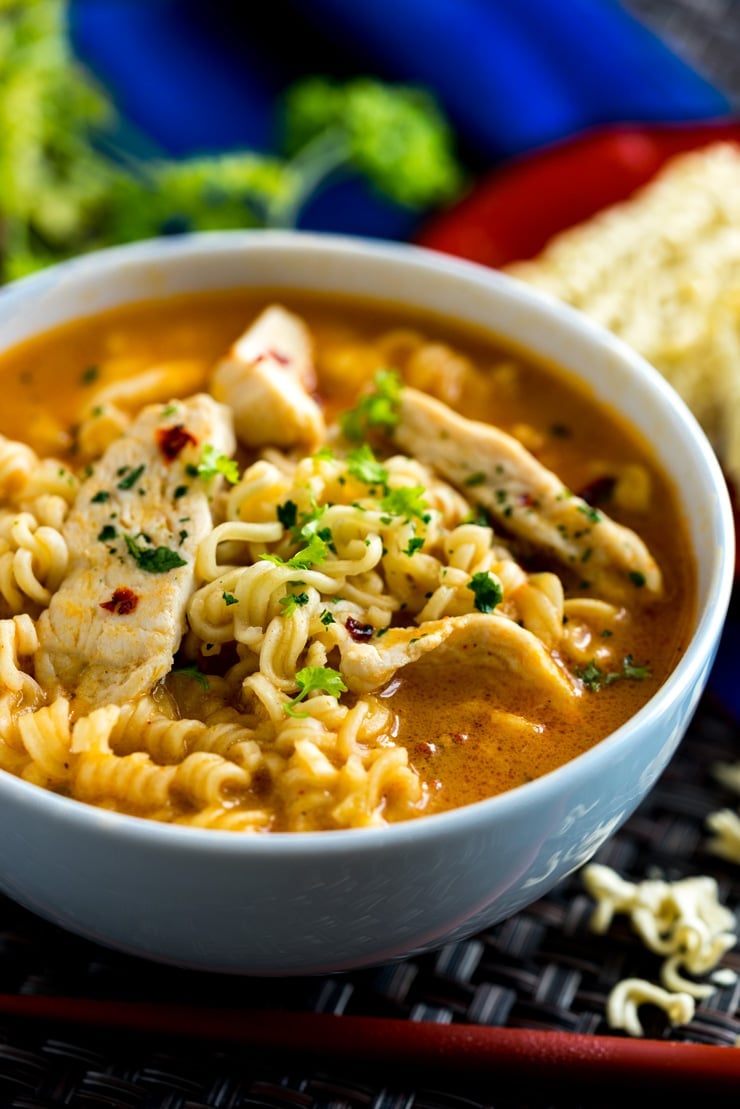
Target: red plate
{"x":510,"y":214}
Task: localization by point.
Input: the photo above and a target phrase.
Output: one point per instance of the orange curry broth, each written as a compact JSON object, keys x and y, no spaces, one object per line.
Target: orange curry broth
{"x":444,"y":718}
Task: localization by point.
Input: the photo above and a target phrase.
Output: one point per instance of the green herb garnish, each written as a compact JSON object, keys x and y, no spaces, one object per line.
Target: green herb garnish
{"x":101,"y":497}
{"x":316,"y":551}
{"x":594,"y":678}
{"x":488,"y":592}
{"x":291,"y":601}
{"x":407,"y":501}
{"x":155,"y":560}
{"x":193,"y":672}
{"x":230,"y":599}
{"x":315,"y":679}
{"x":88,"y":376}
{"x":131,"y":478}
{"x":377,"y":410}
{"x":590,"y":513}
{"x":415,"y":544}
{"x":107,"y":533}
{"x":475,"y":479}
{"x":364,"y":466}
{"x":213,"y":462}
{"x":287,"y":514}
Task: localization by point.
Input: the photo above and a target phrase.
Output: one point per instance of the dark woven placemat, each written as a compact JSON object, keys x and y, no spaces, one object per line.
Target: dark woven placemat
{"x":541,"y":969}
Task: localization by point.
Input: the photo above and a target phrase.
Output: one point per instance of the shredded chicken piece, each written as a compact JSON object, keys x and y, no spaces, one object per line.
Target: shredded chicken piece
{"x":527,"y":498}
{"x":113,"y":626}
{"x":267,"y":380}
{"x":478,"y":640}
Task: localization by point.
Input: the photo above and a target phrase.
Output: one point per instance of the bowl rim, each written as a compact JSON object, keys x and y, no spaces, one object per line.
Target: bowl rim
{"x":686,"y":672}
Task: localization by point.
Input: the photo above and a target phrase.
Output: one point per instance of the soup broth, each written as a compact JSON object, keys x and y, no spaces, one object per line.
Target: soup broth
{"x":362,"y":619}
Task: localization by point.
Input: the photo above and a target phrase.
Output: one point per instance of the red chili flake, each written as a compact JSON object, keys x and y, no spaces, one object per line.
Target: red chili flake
{"x":171,"y":440}
{"x":425,"y":748}
{"x":526,"y":500}
{"x":281,"y":359}
{"x":123,"y":601}
{"x":459,"y":737}
{"x":357,"y":630}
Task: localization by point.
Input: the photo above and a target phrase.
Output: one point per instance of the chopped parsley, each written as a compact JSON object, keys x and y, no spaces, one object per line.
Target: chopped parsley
{"x":637,"y":578}
{"x":407,"y":501}
{"x":415,"y":544}
{"x":131,"y":477}
{"x":291,"y":601}
{"x":315,"y":679}
{"x":308,"y":523}
{"x":230,"y":599}
{"x":475,"y":479}
{"x":154,"y":560}
{"x":316,"y":551}
{"x":212,"y":463}
{"x":107,"y":533}
{"x":327,"y":618}
{"x":287,"y":514}
{"x":101,"y":497}
{"x":488,"y":592}
{"x":590,"y":513}
{"x":88,"y":376}
{"x":594,"y":678}
{"x":180,"y":491}
{"x":364,"y":466}
{"x":478,"y":517}
{"x":193,"y":672}
{"x":377,"y":410}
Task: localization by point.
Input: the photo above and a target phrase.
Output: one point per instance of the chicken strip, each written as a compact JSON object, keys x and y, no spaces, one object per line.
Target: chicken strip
{"x":527,"y":498}
{"x":267,"y":380}
{"x":482,"y":641}
{"x":114,"y":625}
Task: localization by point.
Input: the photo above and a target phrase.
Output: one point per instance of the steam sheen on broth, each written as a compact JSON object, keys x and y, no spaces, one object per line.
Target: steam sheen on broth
{"x":469,"y":621}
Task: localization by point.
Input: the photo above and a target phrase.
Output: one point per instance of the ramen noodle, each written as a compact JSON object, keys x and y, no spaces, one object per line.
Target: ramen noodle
{"x":346,"y":567}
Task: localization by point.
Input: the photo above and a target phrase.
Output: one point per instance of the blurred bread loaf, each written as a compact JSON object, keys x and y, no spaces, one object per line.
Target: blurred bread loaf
{"x":662,"y":271}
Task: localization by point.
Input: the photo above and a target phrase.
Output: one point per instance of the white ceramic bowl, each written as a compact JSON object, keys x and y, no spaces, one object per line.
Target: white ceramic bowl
{"x":321,"y":902}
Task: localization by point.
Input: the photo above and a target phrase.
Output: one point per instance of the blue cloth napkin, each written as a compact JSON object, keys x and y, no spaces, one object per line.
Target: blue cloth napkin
{"x":512,"y":75}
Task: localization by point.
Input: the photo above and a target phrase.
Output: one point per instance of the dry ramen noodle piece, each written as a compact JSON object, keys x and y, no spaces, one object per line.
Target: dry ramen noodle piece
{"x":112,"y":629}
{"x":661,"y":269}
{"x":525,"y":496}
{"x":266,"y":381}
